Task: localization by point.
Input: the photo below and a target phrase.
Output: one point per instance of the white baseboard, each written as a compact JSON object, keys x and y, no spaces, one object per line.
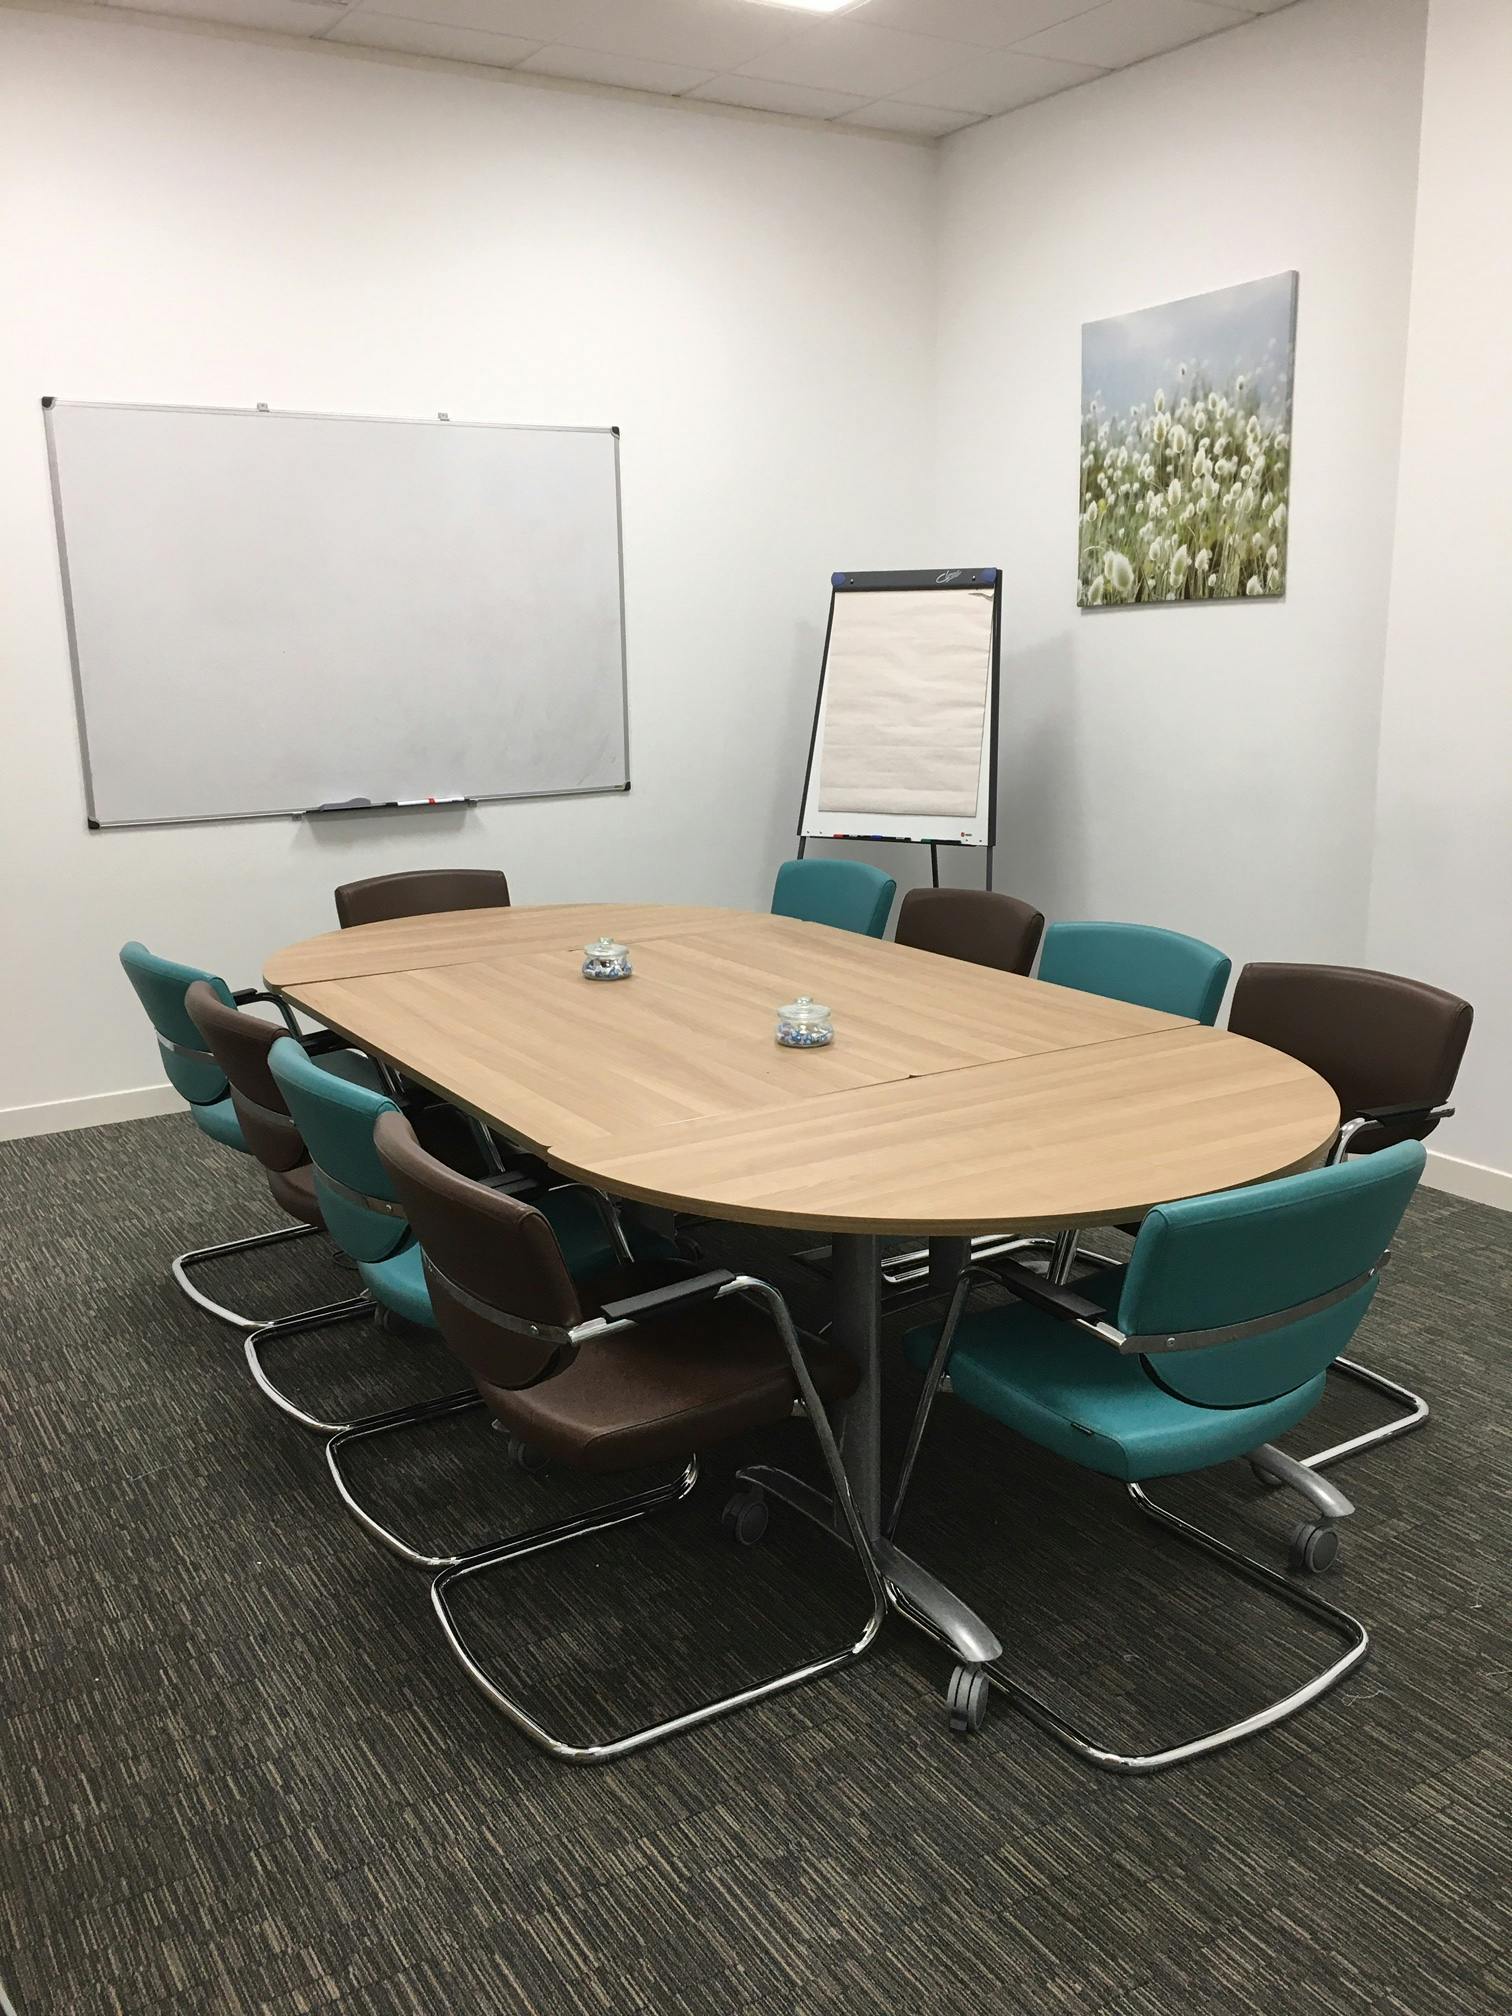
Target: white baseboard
{"x":96,"y":1109}
{"x":1469,"y":1179}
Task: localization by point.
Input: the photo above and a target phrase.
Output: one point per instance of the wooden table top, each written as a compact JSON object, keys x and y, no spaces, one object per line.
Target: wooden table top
{"x":1090,"y":1136}
{"x":954,"y":1099}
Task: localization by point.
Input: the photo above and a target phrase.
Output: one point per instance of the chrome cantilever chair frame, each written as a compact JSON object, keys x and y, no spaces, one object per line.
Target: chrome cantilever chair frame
{"x":1415,"y":1407}
{"x":1324,"y":1496}
{"x":200,"y":1256}
{"x":465,"y":1401}
{"x":359,"y":1307}
{"x":699,"y":1288}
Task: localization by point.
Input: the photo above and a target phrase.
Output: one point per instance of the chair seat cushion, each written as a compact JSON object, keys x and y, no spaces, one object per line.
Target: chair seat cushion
{"x":398,"y":1284}
{"x":661,"y":1391}
{"x":294,"y":1192}
{"x":218,"y":1120}
{"x":1068,"y":1392}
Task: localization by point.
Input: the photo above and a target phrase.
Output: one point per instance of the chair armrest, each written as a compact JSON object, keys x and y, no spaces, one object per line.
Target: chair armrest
{"x":1417,"y":1109}
{"x":677,"y":1295}
{"x":321,"y":1042}
{"x":1058,"y":1301}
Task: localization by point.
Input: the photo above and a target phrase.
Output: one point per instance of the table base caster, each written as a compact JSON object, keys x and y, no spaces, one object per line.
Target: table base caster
{"x":966,"y":1700}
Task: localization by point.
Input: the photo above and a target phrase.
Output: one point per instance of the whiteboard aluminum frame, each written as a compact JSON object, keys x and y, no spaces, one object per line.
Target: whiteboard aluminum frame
{"x":945,"y":579}
{"x":50,"y":402}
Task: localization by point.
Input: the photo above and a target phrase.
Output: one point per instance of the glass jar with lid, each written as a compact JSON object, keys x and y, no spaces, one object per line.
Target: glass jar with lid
{"x":606,"y":959}
{"x":804,"y":1024}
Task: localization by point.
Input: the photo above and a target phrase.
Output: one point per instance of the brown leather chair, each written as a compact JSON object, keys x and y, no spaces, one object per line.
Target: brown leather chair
{"x":981,"y":925}
{"x":378,"y":898}
{"x":1391,"y":1049}
{"x":644,"y":1364}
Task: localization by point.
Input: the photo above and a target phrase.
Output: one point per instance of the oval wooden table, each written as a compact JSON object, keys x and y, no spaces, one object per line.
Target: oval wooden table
{"x":954,"y":1100}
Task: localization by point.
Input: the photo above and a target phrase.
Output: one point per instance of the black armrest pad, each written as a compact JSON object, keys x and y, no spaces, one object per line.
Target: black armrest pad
{"x":1061,"y":1302}
{"x":664,"y":1301}
{"x":1417,"y":1109}
{"x":322,"y":1043}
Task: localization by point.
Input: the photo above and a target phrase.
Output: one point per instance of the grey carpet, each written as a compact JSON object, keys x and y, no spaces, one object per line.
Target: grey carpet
{"x":242,"y":1774}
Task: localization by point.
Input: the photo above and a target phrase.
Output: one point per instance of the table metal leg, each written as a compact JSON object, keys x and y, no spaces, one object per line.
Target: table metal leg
{"x":912,"y":1591}
{"x":947,"y":1258}
{"x":858,"y":1332}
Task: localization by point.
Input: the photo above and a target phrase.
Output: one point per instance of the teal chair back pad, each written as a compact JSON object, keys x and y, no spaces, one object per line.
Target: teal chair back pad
{"x":1212,"y":1262}
{"x":850,"y":895}
{"x":161,"y":985}
{"x":336,"y":1118}
{"x":1138,"y":963}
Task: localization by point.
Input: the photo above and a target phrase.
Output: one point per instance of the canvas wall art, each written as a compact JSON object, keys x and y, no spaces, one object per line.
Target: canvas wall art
{"x":1186,"y":449}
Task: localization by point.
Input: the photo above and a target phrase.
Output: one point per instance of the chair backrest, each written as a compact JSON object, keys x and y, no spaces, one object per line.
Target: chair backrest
{"x":480,"y":1246}
{"x":1378,"y":1039}
{"x":418,"y":892}
{"x":1210,"y":1263}
{"x":161,"y":985}
{"x":1138,"y":963}
{"x":850,"y":895}
{"x":336,"y":1119}
{"x":981,"y":925}
{"x":240,"y":1043}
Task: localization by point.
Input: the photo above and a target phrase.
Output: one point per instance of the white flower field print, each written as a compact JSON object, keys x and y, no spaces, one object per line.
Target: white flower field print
{"x":1186,"y":449}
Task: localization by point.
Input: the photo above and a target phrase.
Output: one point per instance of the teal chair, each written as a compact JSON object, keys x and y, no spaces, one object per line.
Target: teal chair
{"x":358,"y":1202}
{"x":1138,"y":963}
{"x":160,"y":985}
{"x":850,"y":895}
{"x":1216,"y":1338}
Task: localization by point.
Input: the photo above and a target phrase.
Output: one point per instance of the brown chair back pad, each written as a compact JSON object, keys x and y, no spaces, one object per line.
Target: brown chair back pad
{"x":240,"y":1043}
{"x":981,"y":925}
{"x":1379,"y":1039}
{"x":495,"y":1248}
{"x":418,"y":892}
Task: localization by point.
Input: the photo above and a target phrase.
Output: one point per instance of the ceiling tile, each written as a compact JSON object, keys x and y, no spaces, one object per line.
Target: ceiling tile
{"x":891,"y":115}
{"x":759,"y":96}
{"x":429,"y":38}
{"x":994,"y":24}
{"x":288,"y":17}
{"x":850,"y":55}
{"x":998,"y":79}
{"x":703,"y":34}
{"x":528,"y":20}
{"x":600,"y":66}
{"x":1127,"y":31}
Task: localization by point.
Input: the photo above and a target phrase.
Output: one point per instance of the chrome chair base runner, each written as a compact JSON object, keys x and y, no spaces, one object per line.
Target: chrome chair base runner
{"x":1414,"y":1417}
{"x":450,"y":1404}
{"x":202,"y":1255}
{"x":618,"y":1513}
{"x":358,"y":1309}
{"x":1354,"y":1634}
{"x":1069,"y":1733}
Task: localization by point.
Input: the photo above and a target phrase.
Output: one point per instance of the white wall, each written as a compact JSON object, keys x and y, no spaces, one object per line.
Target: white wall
{"x":193,"y":219}
{"x":1211,"y":768}
{"x":1443,"y":869}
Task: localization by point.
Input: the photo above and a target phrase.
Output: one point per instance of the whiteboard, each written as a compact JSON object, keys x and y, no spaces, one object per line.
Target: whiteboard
{"x":270,"y":612}
{"x":905,"y":726}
